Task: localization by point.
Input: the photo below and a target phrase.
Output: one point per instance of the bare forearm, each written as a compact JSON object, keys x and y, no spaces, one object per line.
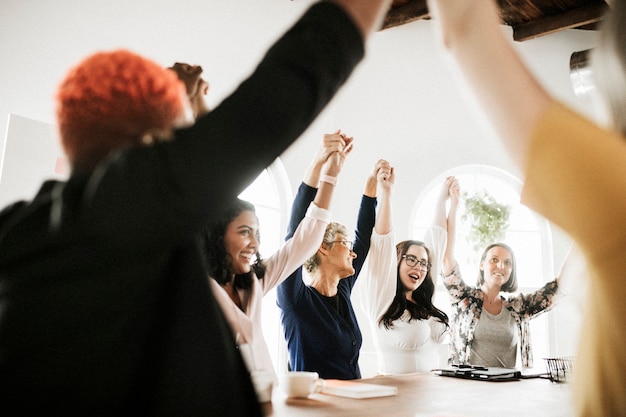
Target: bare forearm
{"x":313,"y":173}
{"x":449,"y":260}
{"x":366,"y":14}
{"x":370,"y":187}
{"x":384,"y":221}
{"x":503,"y":86}
{"x":324,"y":195}
{"x":439,"y":218}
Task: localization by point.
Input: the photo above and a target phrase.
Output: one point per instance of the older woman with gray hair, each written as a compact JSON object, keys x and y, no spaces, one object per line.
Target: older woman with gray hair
{"x":320,"y":325}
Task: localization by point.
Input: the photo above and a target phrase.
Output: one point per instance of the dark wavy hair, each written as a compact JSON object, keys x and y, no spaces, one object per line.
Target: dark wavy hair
{"x":218,"y":262}
{"x":423,"y":307}
{"x":511,"y":284}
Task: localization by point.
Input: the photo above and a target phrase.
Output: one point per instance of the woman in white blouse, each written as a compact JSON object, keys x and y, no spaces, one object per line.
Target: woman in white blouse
{"x":397,"y":291}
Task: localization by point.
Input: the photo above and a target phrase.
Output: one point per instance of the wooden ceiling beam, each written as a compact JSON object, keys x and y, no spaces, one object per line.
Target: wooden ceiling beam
{"x":583,"y":17}
{"x":406,"y":13}
{"x":570,"y":19}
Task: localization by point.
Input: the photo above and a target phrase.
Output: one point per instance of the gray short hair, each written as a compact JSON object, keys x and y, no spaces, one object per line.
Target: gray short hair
{"x":330,"y":235}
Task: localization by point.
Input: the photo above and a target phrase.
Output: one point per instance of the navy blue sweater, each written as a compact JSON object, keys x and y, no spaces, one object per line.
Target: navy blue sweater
{"x":318,"y":338}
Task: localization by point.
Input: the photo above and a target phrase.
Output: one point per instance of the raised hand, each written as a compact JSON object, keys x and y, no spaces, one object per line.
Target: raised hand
{"x":195,"y":85}
{"x":386,"y":176}
{"x":335,"y":148}
{"x":454,"y":191}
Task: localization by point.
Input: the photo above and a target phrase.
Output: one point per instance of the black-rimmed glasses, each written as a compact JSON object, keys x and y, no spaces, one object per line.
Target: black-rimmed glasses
{"x":412,"y":261}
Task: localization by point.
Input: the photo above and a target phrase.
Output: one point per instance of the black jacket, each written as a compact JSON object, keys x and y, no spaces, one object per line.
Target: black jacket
{"x":104,"y":305}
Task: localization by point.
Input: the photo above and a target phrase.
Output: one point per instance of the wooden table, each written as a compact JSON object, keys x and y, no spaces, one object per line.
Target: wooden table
{"x":430,"y":395}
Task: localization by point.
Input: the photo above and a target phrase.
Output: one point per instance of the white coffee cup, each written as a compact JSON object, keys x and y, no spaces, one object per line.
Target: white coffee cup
{"x":263,"y":382}
{"x":301,"y":384}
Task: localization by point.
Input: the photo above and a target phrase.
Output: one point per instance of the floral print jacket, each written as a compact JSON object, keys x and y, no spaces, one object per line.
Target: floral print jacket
{"x":467,"y":305}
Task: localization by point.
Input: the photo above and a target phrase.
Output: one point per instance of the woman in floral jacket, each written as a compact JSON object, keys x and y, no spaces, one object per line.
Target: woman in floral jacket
{"x":487,"y":327}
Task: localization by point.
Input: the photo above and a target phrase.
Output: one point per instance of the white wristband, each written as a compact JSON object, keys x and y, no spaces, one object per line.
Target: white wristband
{"x":329,"y":179}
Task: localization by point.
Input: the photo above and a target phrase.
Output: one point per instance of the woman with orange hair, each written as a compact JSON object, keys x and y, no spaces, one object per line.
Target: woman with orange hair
{"x":105,"y":308}
{"x":119,"y":100}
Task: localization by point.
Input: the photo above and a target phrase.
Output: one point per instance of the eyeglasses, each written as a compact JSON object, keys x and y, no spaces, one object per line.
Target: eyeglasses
{"x":347,"y":243}
{"x":412,"y":261}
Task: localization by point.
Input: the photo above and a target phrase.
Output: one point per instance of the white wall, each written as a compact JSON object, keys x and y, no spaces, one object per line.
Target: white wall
{"x":402,"y":104}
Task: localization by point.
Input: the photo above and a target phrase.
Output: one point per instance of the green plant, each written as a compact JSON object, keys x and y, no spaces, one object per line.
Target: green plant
{"x":486,"y":219}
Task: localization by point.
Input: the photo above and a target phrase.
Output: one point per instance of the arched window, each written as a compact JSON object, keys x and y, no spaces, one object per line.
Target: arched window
{"x":528,"y":234}
{"x":271,"y":195}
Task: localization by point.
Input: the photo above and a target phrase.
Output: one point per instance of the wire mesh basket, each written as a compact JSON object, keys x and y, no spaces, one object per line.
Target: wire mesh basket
{"x":559,"y":368}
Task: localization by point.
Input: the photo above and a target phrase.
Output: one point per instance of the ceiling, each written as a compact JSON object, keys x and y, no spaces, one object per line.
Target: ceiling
{"x":528,"y":18}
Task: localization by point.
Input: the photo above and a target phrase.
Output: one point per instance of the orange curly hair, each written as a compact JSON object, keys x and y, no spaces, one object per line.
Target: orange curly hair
{"x":109,"y":100}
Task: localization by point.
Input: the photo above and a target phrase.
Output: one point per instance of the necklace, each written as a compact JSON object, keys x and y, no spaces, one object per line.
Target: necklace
{"x":486,"y":296}
{"x":495,"y":300}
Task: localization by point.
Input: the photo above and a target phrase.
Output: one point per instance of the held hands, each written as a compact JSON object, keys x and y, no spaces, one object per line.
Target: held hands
{"x":377,"y":167}
{"x":444,"y":192}
{"x":450,"y":189}
{"x":372,"y":178}
{"x":386,"y":176}
{"x":454,"y":191}
{"x":333,"y":152}
{"x":198,"y":104}
{"x":195,"y":85}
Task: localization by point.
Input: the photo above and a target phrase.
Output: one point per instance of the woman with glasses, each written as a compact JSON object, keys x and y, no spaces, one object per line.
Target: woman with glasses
{"x":397,"y":289}
{"x":240,"y":278}
{"x":488,"y":327}
{"x":320,"y":325}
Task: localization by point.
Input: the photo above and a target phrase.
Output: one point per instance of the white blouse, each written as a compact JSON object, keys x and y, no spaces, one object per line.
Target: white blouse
{"x":409,"y":346}
{"x":246,"y":325}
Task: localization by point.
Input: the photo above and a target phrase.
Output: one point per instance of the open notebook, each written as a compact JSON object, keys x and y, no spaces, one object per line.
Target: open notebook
{"x":481,"y":373}
{"x":353,"y":389}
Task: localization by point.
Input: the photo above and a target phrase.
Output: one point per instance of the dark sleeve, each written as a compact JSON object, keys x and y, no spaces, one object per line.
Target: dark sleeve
{"x":301,"y":203}
{"x":363,"y":234}
{"x":290,"y":290}
{"x":169,"y":188}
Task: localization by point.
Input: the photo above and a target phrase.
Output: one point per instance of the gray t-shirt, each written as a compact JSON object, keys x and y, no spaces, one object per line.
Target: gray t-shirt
{"x":495,"y":340}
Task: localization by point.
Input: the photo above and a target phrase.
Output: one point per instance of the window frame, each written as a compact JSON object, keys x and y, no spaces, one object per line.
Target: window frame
{"x":543,"y":328}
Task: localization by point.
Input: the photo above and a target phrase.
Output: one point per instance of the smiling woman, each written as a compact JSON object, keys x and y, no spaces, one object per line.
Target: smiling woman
{"x":488,"y":327}
{"x":240,"y":278}
{"x":527,"y":233}
{"x":397,"y":292}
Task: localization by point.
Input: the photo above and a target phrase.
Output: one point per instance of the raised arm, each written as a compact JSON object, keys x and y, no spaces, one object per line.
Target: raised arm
{"x":471,"y":31}
{"x":366,"y":218}
{"x":439,"y":218}
{"x":379,"y":270}
{"x":454,"y":192}
{"x":386,"y":178}
{"x":371,"y":184}
{"x":332,"y":155}
{"x":326,"y":165}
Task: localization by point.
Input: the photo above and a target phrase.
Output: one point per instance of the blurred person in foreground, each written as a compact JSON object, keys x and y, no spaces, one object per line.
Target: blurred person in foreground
{"x":105,"y":308}
{"x":575,"y":172}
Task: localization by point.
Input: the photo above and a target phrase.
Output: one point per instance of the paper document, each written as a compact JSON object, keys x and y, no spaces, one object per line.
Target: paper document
{"x":353,"y":389}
